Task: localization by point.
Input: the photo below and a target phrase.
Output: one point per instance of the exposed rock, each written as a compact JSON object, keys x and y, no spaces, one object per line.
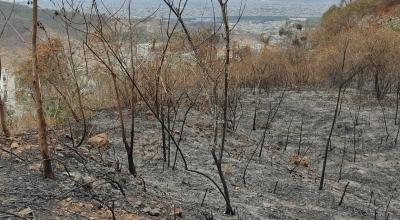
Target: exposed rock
{"x":26,"y":213}
{"x":152,"y":212}
{"x":138,"y":204}
{"x":87,"y":181}
{"x":227,"y":169}
{"x":35,"y":166}
{"x":176,"y":212}
{"x":362,"y":171}
{"x":14,"y":145}
{"x":155,"y":212}
{"x":100,"y":141}
{"x":146,"y":210}
{"x":297,"y":160}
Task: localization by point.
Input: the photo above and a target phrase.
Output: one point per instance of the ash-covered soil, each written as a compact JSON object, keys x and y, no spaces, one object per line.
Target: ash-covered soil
{"x":89,"y":182}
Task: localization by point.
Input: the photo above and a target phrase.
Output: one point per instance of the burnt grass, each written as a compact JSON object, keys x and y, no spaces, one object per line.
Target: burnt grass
{"x":275,"y":188}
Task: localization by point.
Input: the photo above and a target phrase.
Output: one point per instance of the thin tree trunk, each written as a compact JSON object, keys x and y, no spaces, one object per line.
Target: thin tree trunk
{"x":341,"y":164}
{"x":301,"y":136}
{"x":321,"y":183}
{"x":132,"y":169}
{"x":344,"y":193}
{"x":47,"y":168}
{"x":287,"y":134}
{"x":255,"y":114}
{"x":3,"y":113}
{"x":342,"y":85}
{"x":216,"y":115}
{"x":169,"y":129}
{"x":397,"y":103}
{"x":164,"y":137}
{"x":218,"y":162}
{"x":3,"y":119}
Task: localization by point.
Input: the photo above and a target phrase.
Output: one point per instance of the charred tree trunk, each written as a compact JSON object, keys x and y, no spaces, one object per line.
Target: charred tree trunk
{"x":128,"y":148}
{"x":335,"y":116}
{"x":47,"y":168}
{"x":224,"y":10}
{"x":163,"y":134}
{"x":321,"y":183}
{"x":377,"y":86}
{"x":131,"y":164}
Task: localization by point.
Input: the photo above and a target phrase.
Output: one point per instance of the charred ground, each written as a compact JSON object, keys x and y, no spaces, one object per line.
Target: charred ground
{"x":279,"y":185}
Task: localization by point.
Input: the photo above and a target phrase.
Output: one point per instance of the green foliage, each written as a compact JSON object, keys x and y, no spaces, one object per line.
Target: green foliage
{"x":56,"y":111}
{"x":393,"y":24}
{"x":11,"y":113}
{"x":285,"y":32}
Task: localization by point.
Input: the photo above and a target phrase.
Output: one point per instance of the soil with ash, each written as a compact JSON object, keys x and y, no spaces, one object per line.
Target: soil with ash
{"x":280,"y":184}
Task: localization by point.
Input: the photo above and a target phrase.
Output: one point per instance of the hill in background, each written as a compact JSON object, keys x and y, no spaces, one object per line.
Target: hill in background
{"x":17,"y":34}
{"x":18,"y":31}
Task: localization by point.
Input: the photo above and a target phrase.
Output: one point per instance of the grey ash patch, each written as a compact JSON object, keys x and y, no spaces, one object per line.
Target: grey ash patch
{"x":271,"y":191}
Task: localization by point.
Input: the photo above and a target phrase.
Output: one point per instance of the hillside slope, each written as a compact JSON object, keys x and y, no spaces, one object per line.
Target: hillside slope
{"x":18,"y":31}
{"x":89,"y":182}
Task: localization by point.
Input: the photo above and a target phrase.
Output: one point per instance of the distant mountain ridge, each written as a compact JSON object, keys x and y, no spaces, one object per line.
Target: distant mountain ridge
{"x":18,"y":31}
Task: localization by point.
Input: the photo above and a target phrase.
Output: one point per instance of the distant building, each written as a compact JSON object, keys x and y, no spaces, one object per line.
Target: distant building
{"x":8,"y":88}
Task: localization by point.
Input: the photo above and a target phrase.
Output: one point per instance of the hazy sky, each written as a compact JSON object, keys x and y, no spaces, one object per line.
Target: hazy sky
{"x":305,"y":8}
